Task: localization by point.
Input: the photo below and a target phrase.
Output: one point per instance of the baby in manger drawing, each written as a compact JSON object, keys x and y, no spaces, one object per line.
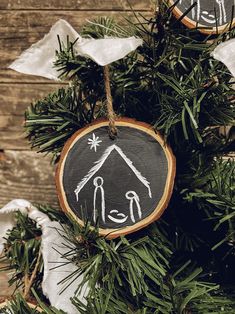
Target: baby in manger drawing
{"x":117,"y":197}
{"x":208,"y":12}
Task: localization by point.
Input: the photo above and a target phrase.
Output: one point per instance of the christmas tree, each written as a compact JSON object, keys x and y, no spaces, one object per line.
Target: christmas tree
{"x":181,"y":263}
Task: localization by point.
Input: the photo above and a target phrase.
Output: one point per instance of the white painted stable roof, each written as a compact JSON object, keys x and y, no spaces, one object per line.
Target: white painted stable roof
{"x":101,"y":161}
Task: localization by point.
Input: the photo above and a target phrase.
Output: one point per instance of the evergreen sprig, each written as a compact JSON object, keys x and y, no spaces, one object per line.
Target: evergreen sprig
{"x":173,"y":83}
{"x":216,"y":195}
{"x":116,"y":262}
{"x":134,"y":276}
{"x":18,"y":305}
{"x":50,"y":122}
{"x":21,"y":252}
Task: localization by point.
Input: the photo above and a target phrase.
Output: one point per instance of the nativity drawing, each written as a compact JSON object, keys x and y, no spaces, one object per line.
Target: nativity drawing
{"x":217,"y":14}
{"x":134,"y":211}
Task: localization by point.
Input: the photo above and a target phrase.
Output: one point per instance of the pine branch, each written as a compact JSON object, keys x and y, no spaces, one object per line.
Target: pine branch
{"x":18,"y":305}
{"x":22,"y":253}
{"x":118,"y":263}
{"x":51,"y":121}
{"x":173,"y":83}
{"x":216,"y":195}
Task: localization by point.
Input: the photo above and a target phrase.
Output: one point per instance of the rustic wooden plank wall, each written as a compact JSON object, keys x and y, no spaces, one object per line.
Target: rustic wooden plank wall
{"x":24,"y":173}
{"x":23,"y":22}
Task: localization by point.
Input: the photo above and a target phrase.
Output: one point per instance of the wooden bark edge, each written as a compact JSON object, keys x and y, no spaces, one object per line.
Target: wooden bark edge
{"x":163,"y":203}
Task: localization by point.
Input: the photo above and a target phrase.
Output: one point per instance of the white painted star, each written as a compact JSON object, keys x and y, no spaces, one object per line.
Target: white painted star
{"x":94,"y":142}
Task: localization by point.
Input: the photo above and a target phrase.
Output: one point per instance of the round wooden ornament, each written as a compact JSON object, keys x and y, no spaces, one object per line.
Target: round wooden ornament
{"x":125,"y":183}
{"x":209,"y":16}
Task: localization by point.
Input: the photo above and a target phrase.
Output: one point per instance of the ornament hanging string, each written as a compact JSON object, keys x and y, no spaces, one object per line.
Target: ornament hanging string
{"x":32,"y":61}
{"x":110,"y":112}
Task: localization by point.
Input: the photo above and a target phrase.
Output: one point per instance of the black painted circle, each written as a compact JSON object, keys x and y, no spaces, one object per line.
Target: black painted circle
{"x":209,"y":13}
{"x":128,"y":173}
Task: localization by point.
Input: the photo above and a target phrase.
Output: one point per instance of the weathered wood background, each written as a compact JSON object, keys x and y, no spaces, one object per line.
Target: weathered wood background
{"x":24,"y":173}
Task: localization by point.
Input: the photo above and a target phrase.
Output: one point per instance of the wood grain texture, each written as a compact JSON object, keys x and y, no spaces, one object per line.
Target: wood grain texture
{"x":22,"y":23}
{"x":86,"y":5}
{"x":20,"y":29}
{"x":25,"y":174}
{"x":17,"y":97}
{"x":14,"y":140}
{"x":12,"y":134}
{"x":5,"y":290}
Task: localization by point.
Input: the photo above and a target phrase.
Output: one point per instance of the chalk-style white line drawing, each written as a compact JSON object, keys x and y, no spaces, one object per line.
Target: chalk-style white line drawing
{"x":94,"y":142}
{"x":205,"y":15}
{"x":98,"y":183}
{"x":99,"y":163}
{"x":198,"y":10}
{"x":117,"y":220}
{"x":222,"y":12}
{"x":134,"y":201}
{"x":114,"y":211}
{"x":208,"y":18}
{"x":193,"y":10}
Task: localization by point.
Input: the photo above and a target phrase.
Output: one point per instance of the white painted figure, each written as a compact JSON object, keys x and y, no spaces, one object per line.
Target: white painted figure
{"x":198,"y":12}
{"x":115,"y":219}
{"x":198,"y":9}
{"x":193,"y":10}
{"x":211,"y":18}
{"x":99,"y":204}
{"x":99,"y":193}
{"x":134,"y":202}
{"x":222,"y":12}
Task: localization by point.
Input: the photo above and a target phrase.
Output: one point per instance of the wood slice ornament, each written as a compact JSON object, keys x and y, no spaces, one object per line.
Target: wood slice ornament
{"x":210,"y":16}
{"x":125,"y":183}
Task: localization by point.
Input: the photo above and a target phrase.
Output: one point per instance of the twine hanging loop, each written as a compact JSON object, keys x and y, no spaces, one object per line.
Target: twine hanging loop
{"x":110,"y":112}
